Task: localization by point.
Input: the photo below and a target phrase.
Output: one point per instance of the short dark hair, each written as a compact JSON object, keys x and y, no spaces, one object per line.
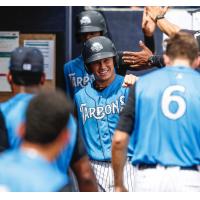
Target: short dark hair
{"x":26,"y":78}
{"x":46,"y":116}
{"x":182,"y":45}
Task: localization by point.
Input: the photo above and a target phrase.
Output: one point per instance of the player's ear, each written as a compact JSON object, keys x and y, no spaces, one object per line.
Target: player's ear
{"x":9,"y":78}
{"x":64,"y":136}
{"x":42,"y":79}
{"x":196,"y":63}
{"x":167,"y":60}
{"x":21,"y":130}
{"x":198,"y":66}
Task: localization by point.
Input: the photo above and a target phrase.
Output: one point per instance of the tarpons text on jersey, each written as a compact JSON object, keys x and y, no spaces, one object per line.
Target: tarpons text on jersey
{"x":99,"y":112}
{"x":80,"y":81}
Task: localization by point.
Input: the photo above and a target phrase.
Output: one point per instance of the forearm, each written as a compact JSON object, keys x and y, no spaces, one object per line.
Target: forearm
{"x":119,"y":150}
{"x":85,"y":176}
{"x":167,"y":27}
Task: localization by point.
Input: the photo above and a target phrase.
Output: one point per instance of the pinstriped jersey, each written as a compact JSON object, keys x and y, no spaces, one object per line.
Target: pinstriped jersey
{"x":14,"y":114}
{"x":26,"y":171}
{"x":167,"y":113}
{"x":76,"y":76}
{"x":98,"y":114}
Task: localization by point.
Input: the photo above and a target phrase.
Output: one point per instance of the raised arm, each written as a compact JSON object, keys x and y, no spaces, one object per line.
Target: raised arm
{"x":148,"y":28}
{"x":157,"y":14}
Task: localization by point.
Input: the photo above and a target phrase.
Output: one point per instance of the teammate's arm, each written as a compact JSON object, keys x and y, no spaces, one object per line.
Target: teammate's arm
{"x":120,"y":139}
{"x":138,"y":60}
{"x":119,"y":150}
{"x":4,"y":144}
{"x":148,"y":28}
{"x":163,"y":24}
{"x":81,"y":167}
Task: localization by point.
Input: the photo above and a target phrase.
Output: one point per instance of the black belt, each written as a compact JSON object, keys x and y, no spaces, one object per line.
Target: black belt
{"x":143,"y":166}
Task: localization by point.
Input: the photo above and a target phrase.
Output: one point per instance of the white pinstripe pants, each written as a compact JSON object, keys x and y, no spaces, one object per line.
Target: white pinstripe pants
{"x":105,"y":178}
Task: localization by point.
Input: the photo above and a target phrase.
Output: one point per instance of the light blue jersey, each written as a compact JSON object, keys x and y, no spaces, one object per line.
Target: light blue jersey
{"x":26,"y":171}
{"x":167,"y":113}
{"x":14,"y":114}
{"x":98,"y":114}
{"x":76,"y":76}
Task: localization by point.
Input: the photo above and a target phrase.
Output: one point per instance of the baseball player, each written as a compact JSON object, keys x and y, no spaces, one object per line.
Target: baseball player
{"x":30,"y":168}
{"x":26,"y":78}
{"x":163,"y":111}
{"x":88,"y":24}
{"x":98,"y":107}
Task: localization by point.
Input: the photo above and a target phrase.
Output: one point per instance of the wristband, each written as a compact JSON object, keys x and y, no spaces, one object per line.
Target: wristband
{"x":159,"y":17}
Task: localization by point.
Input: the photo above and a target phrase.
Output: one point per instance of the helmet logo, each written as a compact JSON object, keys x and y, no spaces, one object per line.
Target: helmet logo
{"x":96,"y":47}
{"x":85,"y":20}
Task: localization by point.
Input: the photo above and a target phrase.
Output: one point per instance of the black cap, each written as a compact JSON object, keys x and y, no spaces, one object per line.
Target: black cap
{"x":26,"y":66}
{"x":27,"y":59}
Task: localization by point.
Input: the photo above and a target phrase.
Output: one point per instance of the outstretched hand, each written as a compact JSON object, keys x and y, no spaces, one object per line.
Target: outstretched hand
{"x":138,"y":60}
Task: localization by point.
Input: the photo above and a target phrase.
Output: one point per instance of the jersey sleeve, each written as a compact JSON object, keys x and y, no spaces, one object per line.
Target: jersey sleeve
{"x":127,"y":116}
{"x":68,"y":89}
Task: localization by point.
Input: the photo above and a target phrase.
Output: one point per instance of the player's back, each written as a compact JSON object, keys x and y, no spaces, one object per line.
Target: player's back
{"x":167,"y":129}
{"x":14,"y":113}
{"x":27,"y":171}
{"x":62,"y":162}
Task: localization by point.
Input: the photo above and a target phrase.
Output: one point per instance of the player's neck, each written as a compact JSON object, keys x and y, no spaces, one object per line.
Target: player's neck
{"x":45,"y":151}
{"x":180,"y":62}
{"x":25,"y":89}
{"x":100,"y":85}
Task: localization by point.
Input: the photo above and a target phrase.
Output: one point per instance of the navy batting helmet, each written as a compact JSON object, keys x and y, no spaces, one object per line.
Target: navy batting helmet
{"x":97,"y":48}
{"x":90,"y":21}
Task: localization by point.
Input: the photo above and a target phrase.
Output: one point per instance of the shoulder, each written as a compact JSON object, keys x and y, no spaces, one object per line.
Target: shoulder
{"x":71,"y":125}
{"x":151,"y":76}
{"x":15,"y":106}
{"x":117,"y":83}
{"x":76,"y":61}
{"x":87,"y":89}
{"x":11,"y":103}
{"x":119,"y":77}
{"x":6,"y":158}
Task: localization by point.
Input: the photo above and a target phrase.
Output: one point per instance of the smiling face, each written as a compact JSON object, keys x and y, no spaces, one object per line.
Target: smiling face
{"x":103,"y":71}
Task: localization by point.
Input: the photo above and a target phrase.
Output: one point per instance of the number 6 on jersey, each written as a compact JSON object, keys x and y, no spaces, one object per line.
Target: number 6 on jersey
{"x":168,"y":98}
